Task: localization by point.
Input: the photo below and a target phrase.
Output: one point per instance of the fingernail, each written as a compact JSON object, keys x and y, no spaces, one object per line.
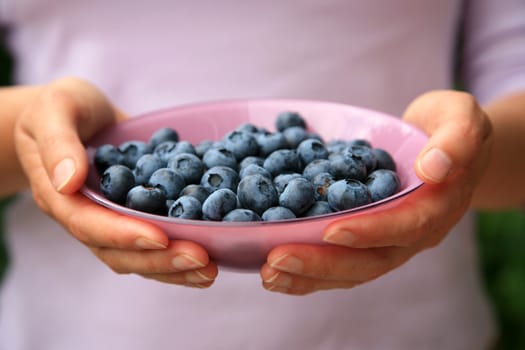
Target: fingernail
{"x":63,"y":173}
{"x":435,"y":165}
{"x":198,"y":285}
{"x":186,"y":262}
{"x":276,"y":289}
{"x":197,"y":277}
{"x":340,"y":237}
{"x":288,"y":263}
{"x":280,"y":280}
{"x":273,"y":278}
{"x":146,"y":243}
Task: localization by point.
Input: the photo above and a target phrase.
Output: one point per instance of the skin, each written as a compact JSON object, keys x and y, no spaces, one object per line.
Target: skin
{"x":74,"y":110}
{"x":468,"y":160}
{"x":481,"y":171}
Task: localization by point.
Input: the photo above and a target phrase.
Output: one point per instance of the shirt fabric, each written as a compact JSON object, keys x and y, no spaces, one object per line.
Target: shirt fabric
{"x":378,"y":54}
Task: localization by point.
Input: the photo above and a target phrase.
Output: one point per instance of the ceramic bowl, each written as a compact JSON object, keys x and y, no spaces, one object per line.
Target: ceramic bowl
{"x":243,"y":246}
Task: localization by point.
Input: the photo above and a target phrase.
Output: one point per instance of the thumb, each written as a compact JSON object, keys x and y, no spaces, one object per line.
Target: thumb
{"x":53,"y":127}
{"x":459,"y":133}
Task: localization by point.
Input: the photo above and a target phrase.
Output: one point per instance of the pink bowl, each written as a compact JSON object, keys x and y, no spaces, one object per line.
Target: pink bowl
{"x":244,"y":246}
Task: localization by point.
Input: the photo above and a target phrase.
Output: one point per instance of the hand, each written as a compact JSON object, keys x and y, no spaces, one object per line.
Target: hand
{"x":370,"y":245}
{"x":48,"y":137}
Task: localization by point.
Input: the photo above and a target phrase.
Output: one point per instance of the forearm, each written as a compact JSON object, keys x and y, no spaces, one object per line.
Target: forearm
{"x":503,"y":183}
{"x":12,"y":102}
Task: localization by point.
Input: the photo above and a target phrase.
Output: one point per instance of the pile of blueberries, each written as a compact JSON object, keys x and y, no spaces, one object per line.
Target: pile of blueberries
{"x":251,"y":174}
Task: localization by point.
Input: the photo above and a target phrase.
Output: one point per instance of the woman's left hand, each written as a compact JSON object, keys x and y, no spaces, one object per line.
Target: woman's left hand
{"x":369,"y":245}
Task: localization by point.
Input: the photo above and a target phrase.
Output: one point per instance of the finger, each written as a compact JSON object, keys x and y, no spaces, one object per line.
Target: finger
{"x":287,"y":283}
{"x":90,"y":223}
{"x":458,"y":129}
{"x":66,"y":112}
{"x":419,"y":220}
{"x":96,"y":226}
{"x":201,"y":278}
{"x":333,"y":263}
{"x":178,"y":256}
{"x":424,"y":217}
{"x":177,"y":280}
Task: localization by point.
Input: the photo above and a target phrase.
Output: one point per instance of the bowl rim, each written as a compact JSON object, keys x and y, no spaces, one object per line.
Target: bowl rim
{"x":101,"y":200}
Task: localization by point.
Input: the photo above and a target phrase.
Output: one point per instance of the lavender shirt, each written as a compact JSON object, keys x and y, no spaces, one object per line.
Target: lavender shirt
{"x":152,"y":54}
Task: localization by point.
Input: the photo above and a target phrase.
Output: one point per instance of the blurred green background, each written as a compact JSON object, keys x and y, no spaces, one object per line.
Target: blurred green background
{"x":502,"y":249}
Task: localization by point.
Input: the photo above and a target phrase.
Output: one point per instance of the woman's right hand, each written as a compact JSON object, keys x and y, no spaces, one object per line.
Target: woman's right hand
{"x":48,"y":139}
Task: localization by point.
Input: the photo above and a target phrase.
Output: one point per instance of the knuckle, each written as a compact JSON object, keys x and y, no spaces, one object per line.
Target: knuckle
{"x":41,"y":203}
{"x":475,"y":124}
{"x":151,"y":266}
{"x":107,"y":258}
{"x":385,"y":263}
{"x":118,"y":269}
{"x":388,"y":260}
{"x":374,"y":272}
{"x":58,"y":94}
{"x":467,"y":99}
{"x":73,"y":224}
{"x":434,"y":241}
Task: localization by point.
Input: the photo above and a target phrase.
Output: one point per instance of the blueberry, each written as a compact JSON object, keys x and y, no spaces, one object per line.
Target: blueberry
{"x":277,"y":213}
{"x":169,"y":149}
{"x":253,"y":169}
{"x":295,"y":135}
{"x":188,"y":165}
{"x":241,"y":144}
{"x":360,"y":142}
{"x":106,"y":156}
{"x":165,"y":150}
{"x":115,"y":183}
{"x":132,"y":151}
{"x":316,"y":136}
{"x":241,"y":214}
{"x":202,"y":147}
{"x":219,"y":157}
{"x":169,"y":202}
{"x":218,"y":204}
{"x":184,"y":147}
{"x":256,"y":192}
{"x":265,"y":175}
{"x":281,"y":181}
{"x":315,"y":167}
{"x":298,"y":196}
{"x":318,"y":208}
{"x":145,"y":166}
{"x":347,"y":194}
{"x":336,"y":146}
{"x":382,"y":183}
{"x":163,"y":134}
{"x":283,"y":161}
{"x":170,"y":181}
{"x":345,"y":166}
{"x":364,"y":153}
{"x":383,"y":159}
{"x":220,"y":177}
{"x":147,"y":199}
{"x":311,"y":149}
{"x":247,"y":127}
{"x":270,"y":142}
{"x":251,"y":160}
{"x":196,"y":191}
{"x":287,"y":119}
{"x":321,"y":182}
{"x":186,"y":207}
